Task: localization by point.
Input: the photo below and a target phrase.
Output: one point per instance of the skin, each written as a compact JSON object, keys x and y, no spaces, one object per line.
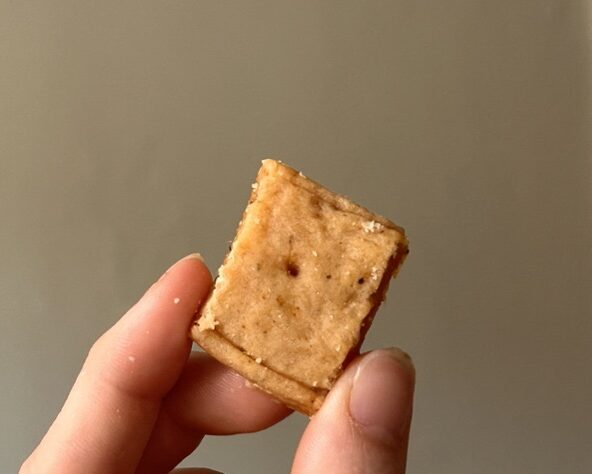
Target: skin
{"x":143,"y":401}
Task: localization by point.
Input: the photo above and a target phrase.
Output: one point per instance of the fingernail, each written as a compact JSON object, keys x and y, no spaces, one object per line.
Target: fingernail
{"x":382,"y":392}
{"x":193,"y":256}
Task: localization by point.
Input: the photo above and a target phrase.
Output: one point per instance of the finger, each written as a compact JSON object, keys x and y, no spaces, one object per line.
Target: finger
{"x":208,"y":398}
{"x":214,"y":399}
{"x":363,"y":426}
{"x":110,"y":412}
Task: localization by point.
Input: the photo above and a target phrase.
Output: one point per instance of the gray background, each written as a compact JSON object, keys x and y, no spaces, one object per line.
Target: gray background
{"x":129,"y":135}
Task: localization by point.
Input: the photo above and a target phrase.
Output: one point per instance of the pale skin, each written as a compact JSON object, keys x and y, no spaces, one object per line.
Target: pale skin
{"x":143,"y":401}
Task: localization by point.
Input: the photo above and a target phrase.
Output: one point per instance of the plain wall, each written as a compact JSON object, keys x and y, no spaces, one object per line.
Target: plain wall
{"x":129,"y":135}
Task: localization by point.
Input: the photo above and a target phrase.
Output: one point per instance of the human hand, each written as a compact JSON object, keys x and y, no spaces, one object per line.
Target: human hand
{"x":143,"y":401}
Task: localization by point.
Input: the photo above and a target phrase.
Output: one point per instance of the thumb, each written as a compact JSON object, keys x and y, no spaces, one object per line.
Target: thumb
{"x":363,"y":426}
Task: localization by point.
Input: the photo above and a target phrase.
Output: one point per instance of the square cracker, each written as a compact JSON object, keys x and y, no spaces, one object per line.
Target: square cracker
{"x":297,"y":291}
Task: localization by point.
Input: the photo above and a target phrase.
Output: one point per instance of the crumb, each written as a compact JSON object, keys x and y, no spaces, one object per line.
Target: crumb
{"x":374,"y":273}
{"x":131,"y":358}
{"x":314,"y":252}
{"x":176,"y":300}
{"x":258,"y":360}
{"x":372,"y":226}
{"x":207,"y":323}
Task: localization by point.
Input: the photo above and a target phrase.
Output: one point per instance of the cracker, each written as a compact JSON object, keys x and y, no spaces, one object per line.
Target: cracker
{"x":297,"y":291}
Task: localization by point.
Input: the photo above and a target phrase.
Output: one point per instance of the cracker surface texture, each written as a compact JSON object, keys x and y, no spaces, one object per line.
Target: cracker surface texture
{"x":297,"y":291}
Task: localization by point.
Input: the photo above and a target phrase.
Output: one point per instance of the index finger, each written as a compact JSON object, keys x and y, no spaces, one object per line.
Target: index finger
{"x":110,"y":412}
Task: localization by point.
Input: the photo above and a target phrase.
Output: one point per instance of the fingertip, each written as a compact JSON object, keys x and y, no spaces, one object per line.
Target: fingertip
{"x":381,"y":395}
{"x":404,"y":359}
{"x":185,"y":284}
{"x":192,"y":266}
{"x":194,"y":256}
{"x":145,"y":351}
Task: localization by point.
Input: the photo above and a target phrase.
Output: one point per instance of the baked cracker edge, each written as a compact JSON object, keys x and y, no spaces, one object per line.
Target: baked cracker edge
{"x":288,"y":391}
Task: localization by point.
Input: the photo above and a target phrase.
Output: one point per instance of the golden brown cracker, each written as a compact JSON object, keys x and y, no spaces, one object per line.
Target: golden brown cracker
{"x":306,"y":272}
